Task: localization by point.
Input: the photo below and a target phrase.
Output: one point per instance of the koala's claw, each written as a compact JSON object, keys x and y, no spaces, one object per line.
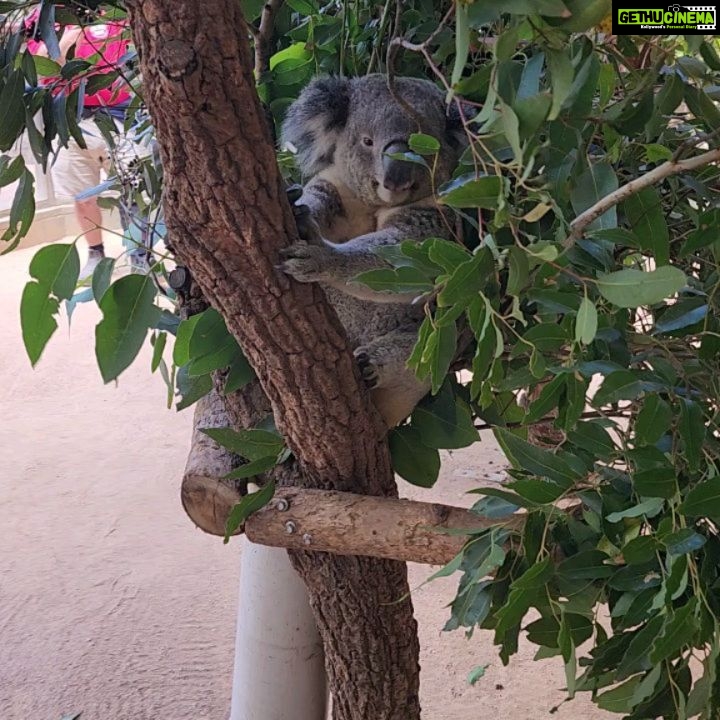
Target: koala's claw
{"x":305,"y":263}
{"x":307,"y":228}
{"x":368,"y":370}
{"x":294,"y":193}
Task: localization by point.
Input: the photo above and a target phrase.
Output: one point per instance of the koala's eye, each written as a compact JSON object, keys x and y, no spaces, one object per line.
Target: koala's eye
{"x":367,"y":141}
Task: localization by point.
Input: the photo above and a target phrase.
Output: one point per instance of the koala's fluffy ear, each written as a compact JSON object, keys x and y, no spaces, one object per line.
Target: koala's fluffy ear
{"x":314,"y":122}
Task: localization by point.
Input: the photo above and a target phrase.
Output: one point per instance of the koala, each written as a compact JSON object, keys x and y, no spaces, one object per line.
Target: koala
{"x":357,"y":199}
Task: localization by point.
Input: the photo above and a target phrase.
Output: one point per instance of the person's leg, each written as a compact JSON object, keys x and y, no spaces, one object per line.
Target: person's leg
{"x":75,"y":170}
{"x":89,"y":217}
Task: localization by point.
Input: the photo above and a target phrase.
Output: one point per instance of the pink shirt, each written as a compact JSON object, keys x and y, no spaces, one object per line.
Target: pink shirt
{"x":108,"y":42}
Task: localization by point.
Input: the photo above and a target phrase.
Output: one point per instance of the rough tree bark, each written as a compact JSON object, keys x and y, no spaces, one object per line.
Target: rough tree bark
{"x":228,"y":217}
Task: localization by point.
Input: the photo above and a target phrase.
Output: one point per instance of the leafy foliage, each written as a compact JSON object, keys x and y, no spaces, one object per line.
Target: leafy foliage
{"x":614,"y":325}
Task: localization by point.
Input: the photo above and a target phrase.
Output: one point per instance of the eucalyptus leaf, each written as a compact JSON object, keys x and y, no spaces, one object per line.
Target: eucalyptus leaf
{"x":632,"y":288}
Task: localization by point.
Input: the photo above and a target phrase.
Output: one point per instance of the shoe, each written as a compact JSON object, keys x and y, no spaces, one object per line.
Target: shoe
{"x":139,"y":261}
{"x":94,"y":258}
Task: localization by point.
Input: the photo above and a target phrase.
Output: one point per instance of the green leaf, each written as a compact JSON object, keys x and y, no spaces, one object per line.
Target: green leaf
{"x":448,"y":255}
{"x":594,"y":438}
{"x":239,"y":374}
{"x":586,"y":322}
{"x":452,"y":567}
{"x":595,"y":183}
{"x":518,"y":270}
{"x":211,"y":346}
{"x":423,"y":144}
{"x":412,"y":459}
{"x":476,"y":673}
{"x":553,"y":301}
{"x":217,"y":358}
{"x":632,"y":288}
{"x":101,"y":278}
{"x":471,"y":191}
{"x":466,"y":281}
{"x":55,"y":270}
{"x":11,"y":169}
{"x":682,"y":314}
{"x":444,"y":421}
{"x":513,"y":611}
{"x":561,"y":77}
{"x":46,"y":67}
{"x":653,"y":420}
{"x":158,"y":348}
{"x":253,"y":468}
{"x":586,"y":14}
{"x":646,"y":216}
{"x":544,"y":632}
{"x":251,"y":503}
{"x":181,"y":350}
{"x":703,"y":500}
{"x":129,"y":311}
{"x":621,"y":698}
{"x":472,"y":607}
{"x":37,"y":318}
{"x":539,"y":462}
{"x":540,"y":492}
{"x":547,"y":400}
{"x":586,"y":565}
{"x":439,"y":352}
{"x":635,"y":658}
{"x":22,"y":211}
{"x":683,"y":541}
{"x":618,"y":385}
{"x":640,"y":550}
{"x":252,"y":444}
{"x":692,"y":433}
{"x":398,"y":280}
{"x":706,"y":234}
{"x":12,"y":109}
{"x":536,"y":576}
{"x":648,"y":508}
{"x":191,"y":389}
{"x":656,"y":482}
{"x":677,"y":633}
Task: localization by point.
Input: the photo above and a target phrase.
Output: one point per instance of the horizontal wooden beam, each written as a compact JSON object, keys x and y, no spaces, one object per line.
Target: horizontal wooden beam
{"x":320,"y":520}
{"x":341,"y":523}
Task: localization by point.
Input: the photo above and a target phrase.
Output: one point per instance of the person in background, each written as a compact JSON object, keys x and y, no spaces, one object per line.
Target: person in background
{"x":77,"y":169}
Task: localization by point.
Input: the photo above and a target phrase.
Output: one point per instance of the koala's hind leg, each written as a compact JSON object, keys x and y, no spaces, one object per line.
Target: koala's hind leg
{"x":395,"y":389}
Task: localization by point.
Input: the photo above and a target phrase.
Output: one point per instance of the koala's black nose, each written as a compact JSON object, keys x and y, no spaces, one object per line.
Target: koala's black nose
{"x":398,"y":175}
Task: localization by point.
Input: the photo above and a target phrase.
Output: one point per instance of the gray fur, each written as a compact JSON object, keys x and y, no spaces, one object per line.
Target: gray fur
{"x":339,"y":128}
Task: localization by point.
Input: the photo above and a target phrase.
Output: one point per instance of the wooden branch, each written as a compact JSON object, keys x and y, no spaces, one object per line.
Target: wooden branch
{"x":206,"y":503}
{"x":349,"y":524}
{"x":342,"y":523}
{"x":667,"y":169}
{"x":263,"y":37}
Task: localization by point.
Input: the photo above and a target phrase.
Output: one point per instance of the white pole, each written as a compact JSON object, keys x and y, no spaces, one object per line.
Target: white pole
{"x":279,"y":664}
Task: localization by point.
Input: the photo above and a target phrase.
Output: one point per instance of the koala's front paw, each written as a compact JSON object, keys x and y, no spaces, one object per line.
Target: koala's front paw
{"x":369,"y":368}
{"x":307,"y":228}
{"x":305,"y":263}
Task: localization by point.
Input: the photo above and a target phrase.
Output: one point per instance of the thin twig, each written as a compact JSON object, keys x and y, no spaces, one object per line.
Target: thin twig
{"x":547,"y":419}
{"x":263,"y":37}
{"x":656,"y":175}
{"x":693,"y":142}
{"x":398,"y":42}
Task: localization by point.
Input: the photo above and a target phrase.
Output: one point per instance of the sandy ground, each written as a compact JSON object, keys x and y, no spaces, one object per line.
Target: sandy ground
{"x":112,"y":603}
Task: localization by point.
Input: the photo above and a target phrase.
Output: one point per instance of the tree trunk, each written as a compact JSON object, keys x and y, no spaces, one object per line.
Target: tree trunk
{"x":227,"y":218}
